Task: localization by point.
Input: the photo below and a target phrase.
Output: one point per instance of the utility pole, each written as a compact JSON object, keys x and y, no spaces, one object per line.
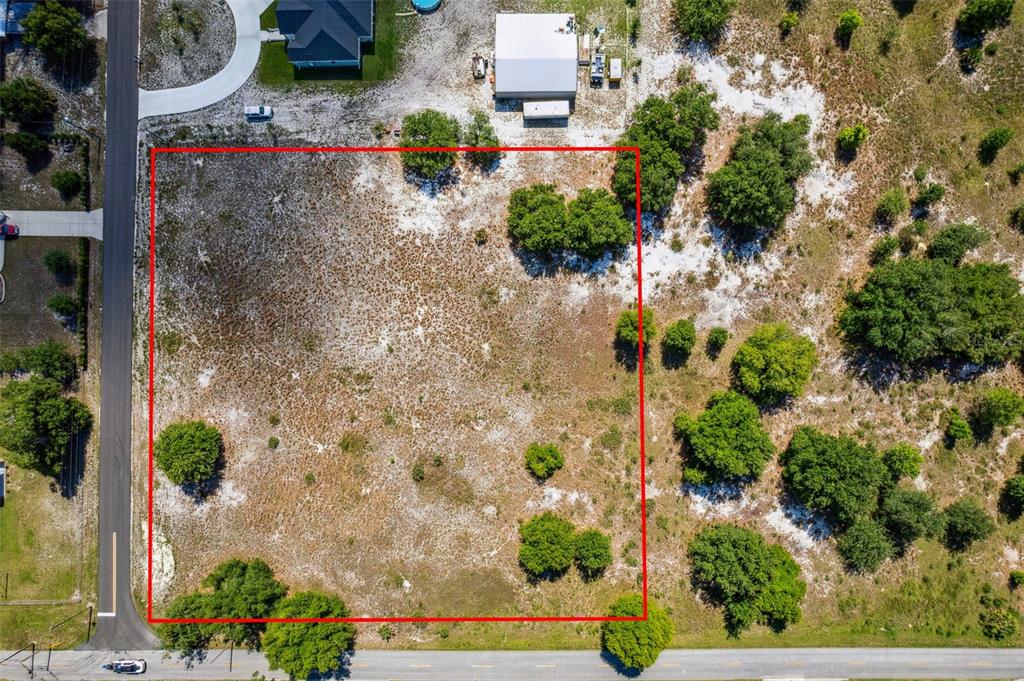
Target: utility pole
{"x":32,"y":664}
{"x":231,"y":656}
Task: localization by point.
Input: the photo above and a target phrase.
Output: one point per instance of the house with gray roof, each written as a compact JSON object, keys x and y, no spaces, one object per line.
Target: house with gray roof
{"x":325,"y":32}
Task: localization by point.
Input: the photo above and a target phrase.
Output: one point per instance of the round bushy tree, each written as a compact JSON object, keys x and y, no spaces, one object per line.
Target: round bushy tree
{"x":543,"y":460}
{"x":903,"y":461}
{"x":851,"y":137}
{"x":849,"y":21}
{"x":1013,"y":496}
{"x":28,"y":144}
{"x":480,"y":133}
{"x":727,"y":441}
{"x":952,"y":243}
{"x":25,"y":100}
{"x":774,"y":364}
{"x":429,"y":128}
{"x":755,"y":582}
{"x":67,"y":182}
{"x":966,"y":523}
{"x":188,"y":452}
{"x":999,"y":408}
{"x":957,"y":427}
{"x":699,"y":20}
{"x":592,"y":553}
{"x":595,"y":224}
{"x":892,"y":205}
{"x":717,"y":338}
{"x":980,"y":16}
{"x":38,"y":424}
{"x":864,"y":546}
{"x":833,"y":475}
{"x":992,"y":143}
{"x":55,"y":30}
{"x":547,"y":547}
{"x":638,"y":643}
{"x":304,"y":649}
{"x":627,"y":328}
{"x":243,"y":589}
{"x":189,"y":640}
{"x":678,"y":341}
{"x":537,"y":219}
{"x":907,"y":515}
{"x":60,"y":264}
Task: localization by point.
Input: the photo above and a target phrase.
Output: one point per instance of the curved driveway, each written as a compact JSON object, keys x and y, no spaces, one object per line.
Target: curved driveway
{"x":241,"y":65}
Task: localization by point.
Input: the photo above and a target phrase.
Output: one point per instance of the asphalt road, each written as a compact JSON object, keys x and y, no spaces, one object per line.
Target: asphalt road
{"x":119,"y":626}
{"x":377,"y":665}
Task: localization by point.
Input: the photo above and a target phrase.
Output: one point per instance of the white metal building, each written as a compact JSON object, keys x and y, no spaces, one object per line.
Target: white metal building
{"x":535,"y":56}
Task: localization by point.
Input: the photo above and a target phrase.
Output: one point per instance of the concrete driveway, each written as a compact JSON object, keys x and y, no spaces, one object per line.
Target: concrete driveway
{"x":241,"y":65}
{"x":58,"y":222}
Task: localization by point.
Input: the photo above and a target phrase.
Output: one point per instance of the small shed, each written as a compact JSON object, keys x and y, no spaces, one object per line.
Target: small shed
{"x":545,"y":109}
{"x":615,"y":70}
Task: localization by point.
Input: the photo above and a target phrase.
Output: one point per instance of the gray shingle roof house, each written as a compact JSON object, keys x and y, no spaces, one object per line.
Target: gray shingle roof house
{"x":325,"y":32}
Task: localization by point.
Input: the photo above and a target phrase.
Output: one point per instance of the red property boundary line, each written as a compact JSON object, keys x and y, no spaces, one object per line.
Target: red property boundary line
{"x":153,"y":153}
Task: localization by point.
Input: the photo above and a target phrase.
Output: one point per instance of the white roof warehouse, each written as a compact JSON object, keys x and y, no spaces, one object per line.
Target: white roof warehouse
{"x":535,"y":56}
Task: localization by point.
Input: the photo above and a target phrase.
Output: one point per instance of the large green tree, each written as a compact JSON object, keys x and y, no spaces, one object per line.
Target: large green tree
{"x":754,"y":581}
{"x":636,"y":643}
{"x":25,"y":100}
{"x":702,"y":20}
{"x":919,"y":311}
{"x":909,"y":514}
{"x":304,"y":649}
{"x":756,"y":189}
{"x":666,"y":131}
{"x":726,"y":441}
{"x":980,"y":16}
{"x":592,"y":553}
{"x":188,"y":452}
{"x":429,"y":128}
{"x":480,"y":133}
{"x":38,"y":424}
{"x":547,"y":547}
{"x":54,"y":29}
{"x":595,"y":224}
{"x":190,"y":639}
{"x":49,"y":359}
{"x":243,"y":589}
{"x":537,"y":219}
{"x":774,"y":364}
{"x":966,"y":522}
{"x":833,"y":475}
{"x":864,"y":546}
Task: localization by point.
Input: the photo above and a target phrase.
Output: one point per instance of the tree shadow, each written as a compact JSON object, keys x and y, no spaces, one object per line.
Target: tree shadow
{"x":72,"y":470}
{"x":620,"y":669}
{"x":674,"y":359}
{"x":903,"y":7}
{"x":843,"y":155}
{"x":817,"y":526}
{"x":627,"y":354}
{"x":76,"y":71}
{"x":433,"y":186}
{"x":720,"y":492}
{"x":879,"y":371}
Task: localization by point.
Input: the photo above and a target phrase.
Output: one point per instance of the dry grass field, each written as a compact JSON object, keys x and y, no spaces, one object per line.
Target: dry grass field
{"x":363,"y":324}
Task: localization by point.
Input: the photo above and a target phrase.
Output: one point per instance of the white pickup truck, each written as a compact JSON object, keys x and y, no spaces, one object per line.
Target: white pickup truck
{"x":259,"y":113}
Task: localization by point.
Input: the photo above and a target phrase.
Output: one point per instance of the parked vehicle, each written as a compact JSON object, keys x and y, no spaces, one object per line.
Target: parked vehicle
{"x":8,"y":230}
{"x":479,"y":67}
{"x":259,"y":113}
{"x":597,"y":70}
{"x":125,"y":666}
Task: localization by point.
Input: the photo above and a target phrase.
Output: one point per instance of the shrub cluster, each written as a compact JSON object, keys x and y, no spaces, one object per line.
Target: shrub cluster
{"x":592,"y":224}
{"x":756,"y":189}
{"x":726,"y":442}
{"x":549,"y":546}
{"x":754,"y":581}
{"x":774,"y":364}
{"x":666,"y":131}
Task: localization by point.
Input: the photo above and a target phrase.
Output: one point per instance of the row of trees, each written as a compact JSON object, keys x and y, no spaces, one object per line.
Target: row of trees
{"x":540,"y":222}
{"x":248,"y":589}
{"x":431,"y":128}
{"x":550,"y":545}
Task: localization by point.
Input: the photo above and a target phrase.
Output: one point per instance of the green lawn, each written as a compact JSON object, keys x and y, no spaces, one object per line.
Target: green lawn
{"x":380,"y":59}
{"x":268,"y":19}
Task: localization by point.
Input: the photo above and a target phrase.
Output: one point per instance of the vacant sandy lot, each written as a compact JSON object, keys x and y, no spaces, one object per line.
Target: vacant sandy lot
{"x":361,"y":315}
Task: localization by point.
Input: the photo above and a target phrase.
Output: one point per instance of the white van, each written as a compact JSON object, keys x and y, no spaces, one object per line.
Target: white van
{"x":259,"y":113}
